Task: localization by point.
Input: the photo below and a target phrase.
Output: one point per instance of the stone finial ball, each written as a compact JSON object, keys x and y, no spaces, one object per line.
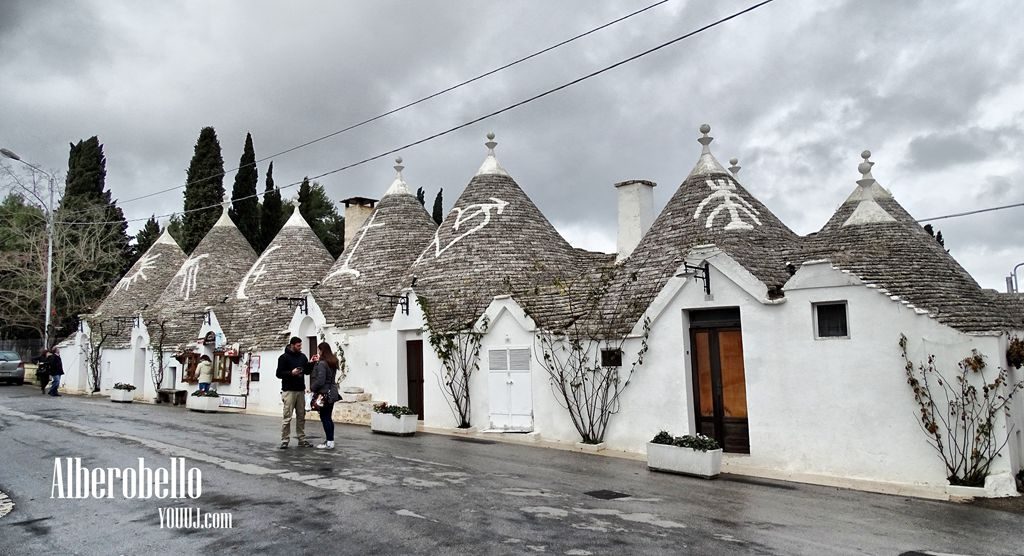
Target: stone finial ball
{"x":398,"y":160}
{"x":865,"y":155}
{"x":490,"y":136}
{"x":864,"y":167}
{"x":734,"y":161}
{"x":705,"y":128}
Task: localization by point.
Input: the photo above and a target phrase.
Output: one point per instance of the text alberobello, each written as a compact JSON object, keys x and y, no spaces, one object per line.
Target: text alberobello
{"x":71,"y":480}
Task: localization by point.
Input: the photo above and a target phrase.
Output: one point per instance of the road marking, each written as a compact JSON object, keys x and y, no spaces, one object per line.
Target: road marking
{"x":6,"y":504}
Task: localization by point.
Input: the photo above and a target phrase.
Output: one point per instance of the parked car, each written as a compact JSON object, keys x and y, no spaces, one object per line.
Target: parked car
{"x":12,"y":368}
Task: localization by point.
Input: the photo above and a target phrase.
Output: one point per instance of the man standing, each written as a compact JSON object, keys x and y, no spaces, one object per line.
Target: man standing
{"x":56,"y":368}
{"x":42,"y":375}
{"x":292,"y":365}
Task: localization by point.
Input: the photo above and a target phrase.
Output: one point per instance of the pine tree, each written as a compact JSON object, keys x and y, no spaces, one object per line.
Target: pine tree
{"x":147,"y":236}
{"x":244,"y":202}
{"x":421,"y":195}
{"x":322,"y":216}
{"x":438,"y":214}
{"x":272,"y":213}
{"x":175,"y":229}
{"x":204,"y":188}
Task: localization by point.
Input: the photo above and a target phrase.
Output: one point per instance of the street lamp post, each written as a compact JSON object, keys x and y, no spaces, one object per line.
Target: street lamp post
{"x":1012,"y":286}
{"x":49,"y":242}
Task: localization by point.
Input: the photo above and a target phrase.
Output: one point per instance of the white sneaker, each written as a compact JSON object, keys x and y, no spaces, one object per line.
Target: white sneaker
{"x":329,"y":445}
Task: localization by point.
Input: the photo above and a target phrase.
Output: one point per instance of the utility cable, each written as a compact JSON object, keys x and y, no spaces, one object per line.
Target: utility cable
{"x":970,"y":212}
{"x":489,"y":115}
{"x":413,"y":103}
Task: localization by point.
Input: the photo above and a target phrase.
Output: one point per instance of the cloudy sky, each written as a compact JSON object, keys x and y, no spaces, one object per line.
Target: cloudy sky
{"x":795,"y":90}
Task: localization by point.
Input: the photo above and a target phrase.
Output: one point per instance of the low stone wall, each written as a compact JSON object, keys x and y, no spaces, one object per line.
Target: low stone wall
{"x":355,"y":413}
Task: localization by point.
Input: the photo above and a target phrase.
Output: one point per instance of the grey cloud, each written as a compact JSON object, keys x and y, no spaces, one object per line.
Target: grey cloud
{"x":939,"y":150}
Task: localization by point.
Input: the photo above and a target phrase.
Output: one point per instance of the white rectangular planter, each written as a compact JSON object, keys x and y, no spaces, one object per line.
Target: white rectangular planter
{"x":404,"y":425}
{"x":203,"y":403}
{"x":122,"y":396}
{"x":663,"y":457}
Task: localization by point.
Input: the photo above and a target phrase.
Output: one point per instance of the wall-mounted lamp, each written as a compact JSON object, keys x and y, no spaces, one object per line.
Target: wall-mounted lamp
{"x":402,"y":300}
{"x":300,"y":302}
{"x":701,"y":272}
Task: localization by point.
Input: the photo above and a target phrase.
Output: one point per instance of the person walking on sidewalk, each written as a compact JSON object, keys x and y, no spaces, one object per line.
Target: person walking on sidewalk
{"x":323,"y":382}
{"x":292,"y":365}
{"x":42,"y":375}
{"x":56,"y":368}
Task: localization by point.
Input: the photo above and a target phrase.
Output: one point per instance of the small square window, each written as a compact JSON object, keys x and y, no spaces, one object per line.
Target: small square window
{"x":830,"y":320}
{"x":611,"y":357}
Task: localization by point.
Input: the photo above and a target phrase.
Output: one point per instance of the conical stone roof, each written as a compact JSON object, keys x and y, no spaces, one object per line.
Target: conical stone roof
{"x":376,"y":259}
{"x":890,"y":251}
{"x":293,"y":262}
{"x":206,"y":279}
{"x":709,"y":207}
{"x":142,"y":285}
{"x":494,"y":241}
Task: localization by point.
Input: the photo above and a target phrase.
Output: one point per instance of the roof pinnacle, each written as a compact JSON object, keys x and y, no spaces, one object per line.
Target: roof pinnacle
{"x":490,"y":165}
{"x":865,"y":170}
{"x":398,"y":187}
{"x":734,"y":166}
{"x":706,"y":139}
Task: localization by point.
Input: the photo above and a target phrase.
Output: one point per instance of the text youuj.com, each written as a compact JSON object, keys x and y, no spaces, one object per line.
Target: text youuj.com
{"x":175,"y":482}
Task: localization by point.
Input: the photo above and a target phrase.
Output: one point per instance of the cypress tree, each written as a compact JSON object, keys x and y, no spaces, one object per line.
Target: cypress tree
{"x":174,"y":228}
{"x":147,"y":236}
{"x":204,"y":187}
{"x":244,"y":202}
{"x":438,"y":214}
{"x":272,"y":214}
{"x":421,"y":195}
{"x":94,"y":234}
{"x":321,"y":214}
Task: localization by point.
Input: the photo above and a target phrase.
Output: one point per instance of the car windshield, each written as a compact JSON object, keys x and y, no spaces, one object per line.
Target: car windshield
{"x":8,"y":356}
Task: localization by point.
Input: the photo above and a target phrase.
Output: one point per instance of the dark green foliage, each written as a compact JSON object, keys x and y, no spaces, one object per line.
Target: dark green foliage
{"x":175,"y":229}
{"x":700,"y":442}
{"x":322,"y":216}
{"x":438,"y":213}
{"x":396,"y":410}
{"x":272,"y":213}
{"x":244,"y":202}
{"x":421,"y":195}
{"x":204,"y":187}
{"x":147,"y":236}
{"x":937,"y":235}
{"x":90,"y":221}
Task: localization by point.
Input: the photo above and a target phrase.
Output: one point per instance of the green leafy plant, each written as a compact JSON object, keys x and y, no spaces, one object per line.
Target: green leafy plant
{"x":959,"y":416}
{"x":206,"y":394}
{"x":699,"y":442}
{"x":396,"y":410}
{"x":124,"y":386}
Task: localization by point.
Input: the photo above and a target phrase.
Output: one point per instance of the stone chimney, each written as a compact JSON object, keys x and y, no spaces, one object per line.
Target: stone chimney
{"x":636,"y":214}
{"x":357,"y":210}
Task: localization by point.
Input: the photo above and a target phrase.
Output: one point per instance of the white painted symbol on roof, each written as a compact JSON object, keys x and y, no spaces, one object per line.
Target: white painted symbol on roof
{"x":462,"y":216}
{"x":147,"y":262}
{"x":256,"y":272}
{"x":725,"y":192}
{"x":345,"y":269}
{"x":190,"y":271}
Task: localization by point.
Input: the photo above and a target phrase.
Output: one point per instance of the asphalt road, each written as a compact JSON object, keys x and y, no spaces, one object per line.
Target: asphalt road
{"x":427,"y":494}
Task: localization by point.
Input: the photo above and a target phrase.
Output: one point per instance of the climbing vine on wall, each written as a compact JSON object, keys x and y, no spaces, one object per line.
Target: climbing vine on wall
{"x":586,"y":382}
{"x":458,"y":349}
{"x":959,"y":413}
{"x":157,"y":337}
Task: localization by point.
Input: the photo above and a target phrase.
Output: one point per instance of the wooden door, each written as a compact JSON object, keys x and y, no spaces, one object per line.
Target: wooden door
{"x":720,"y":391}
{"x":414,"y":374}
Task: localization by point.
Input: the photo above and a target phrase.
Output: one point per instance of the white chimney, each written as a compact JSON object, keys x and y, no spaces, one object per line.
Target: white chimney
{"x":636,"y":213}
{"x":357,"y":210}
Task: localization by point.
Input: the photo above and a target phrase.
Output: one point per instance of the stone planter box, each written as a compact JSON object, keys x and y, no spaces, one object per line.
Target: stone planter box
{"x":384,"y":423}
{"x":122,"y":396}
{"x":203,"y":403}
{"x":685,"y":461}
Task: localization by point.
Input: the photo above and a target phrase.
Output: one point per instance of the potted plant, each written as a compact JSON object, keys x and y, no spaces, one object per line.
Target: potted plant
{"x":700,"y":456}
{"x":122,"y":393}
{"x":200,"y":400}
{"x":393,"y":419}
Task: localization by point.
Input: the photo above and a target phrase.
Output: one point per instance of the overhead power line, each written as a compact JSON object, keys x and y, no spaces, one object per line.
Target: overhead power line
{"x":413,"y":103}
{"x":970,"y":212}
{"x":491,"y":114}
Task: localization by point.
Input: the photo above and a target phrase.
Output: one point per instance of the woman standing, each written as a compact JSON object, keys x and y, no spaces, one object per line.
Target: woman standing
{"x":322,"y":381}
{"x":205,"y":372}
